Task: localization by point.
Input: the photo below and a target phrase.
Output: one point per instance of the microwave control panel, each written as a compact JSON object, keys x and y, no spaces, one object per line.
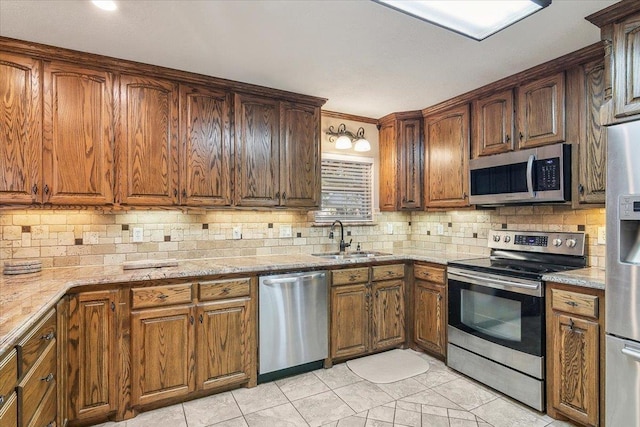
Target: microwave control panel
{"x":548,"y":174}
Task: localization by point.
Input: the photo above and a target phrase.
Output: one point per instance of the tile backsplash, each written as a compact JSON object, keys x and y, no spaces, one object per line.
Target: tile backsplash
{"x":82,"y":237}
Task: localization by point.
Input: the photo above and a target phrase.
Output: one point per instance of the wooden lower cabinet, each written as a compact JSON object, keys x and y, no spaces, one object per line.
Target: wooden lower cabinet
{"x":9,"y":411}
{"x":366,"y":315}
{"x":575,"y":354}
{"x":430,"y":316}
{"x":91,"y":355}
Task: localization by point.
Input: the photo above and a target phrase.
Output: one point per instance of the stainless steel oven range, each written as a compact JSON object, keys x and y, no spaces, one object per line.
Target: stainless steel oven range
{"x":496,"y":327}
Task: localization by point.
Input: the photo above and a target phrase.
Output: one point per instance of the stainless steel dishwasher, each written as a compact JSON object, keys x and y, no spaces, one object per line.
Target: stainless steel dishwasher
{"x":293,"y":324}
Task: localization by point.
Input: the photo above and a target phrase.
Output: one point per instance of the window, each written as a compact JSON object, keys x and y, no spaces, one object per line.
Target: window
{"x":347,"y":189}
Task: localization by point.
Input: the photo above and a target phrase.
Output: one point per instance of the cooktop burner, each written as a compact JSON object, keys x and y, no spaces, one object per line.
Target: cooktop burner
{"x":510,"y":267}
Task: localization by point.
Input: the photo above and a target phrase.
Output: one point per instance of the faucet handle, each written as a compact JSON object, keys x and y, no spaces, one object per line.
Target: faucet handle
{"x":358,"y":248}
{"x":346,"y":245}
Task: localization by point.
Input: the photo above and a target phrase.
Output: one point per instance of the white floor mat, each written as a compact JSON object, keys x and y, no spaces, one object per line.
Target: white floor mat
{"x":388,"y":367}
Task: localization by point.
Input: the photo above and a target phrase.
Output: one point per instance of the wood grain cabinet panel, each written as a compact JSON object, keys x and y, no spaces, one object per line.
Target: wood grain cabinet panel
{"x":78,"y":135}
{"x":430,"y":316}
{"x":541,"y":111}
{"x":31,"y":346}
{"x":350,"y":320}
{"x":493,"y":124}
{"x":92,"y":355}
{"x":388,"y":167}
{"x":224,"y":343}
{"x":205,"y":147}
{"x":447,"y":158}
{"x":35,"y":384}
{"x":627,"y":67}
{"x":300,"y":155}
{"x":148,"y":142}
{"x":9,"y":411}
{"x":45,"y":414}
{"x":20,"y":130}
{"x":387,"y":314}
{"x":162,"y":353}
{"x":8,"y":375}
{"x":257,"y":151}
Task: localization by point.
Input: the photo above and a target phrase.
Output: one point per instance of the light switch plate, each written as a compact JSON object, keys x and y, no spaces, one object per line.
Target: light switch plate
{"x":602,"y":235}
{"x":439,"y":230}
{"x":389,"y":228}
{"x":237,"y":232}
{"x":137,"y":235}
{"x":285,"y":230}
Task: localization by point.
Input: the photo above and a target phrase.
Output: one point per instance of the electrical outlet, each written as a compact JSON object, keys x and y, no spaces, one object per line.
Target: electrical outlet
{"x":439,"y":230}
{"x":285,"y":230}
{"x":237,"y":232}
{"x":389,"y":228}
{"x":137,"y":235}
{"x":602,"y":235}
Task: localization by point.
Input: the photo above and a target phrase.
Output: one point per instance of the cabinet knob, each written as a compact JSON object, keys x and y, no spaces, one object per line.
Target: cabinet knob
{"x":48,"y":378}
{"x":571,"y":303}
{"x":192,"y":320}
{"x":284,"y":195}
{"x":113,"y":306}
{"x":175,"y":192}
{"x":201,"y":319}
{"x":1,"y":400}
{"x":278,"y":195}
{"x":507,"y":138}
{"x":184,"y":193}
{"x":439,"y":297}
{"x":46,"y":189}
{"x":48,"y":337}
{"x":521,"y":136}
{"x":163,"y":297}
{"x":580,"y":188}
{"x":34,"y":189}
{"x":571,"y":324}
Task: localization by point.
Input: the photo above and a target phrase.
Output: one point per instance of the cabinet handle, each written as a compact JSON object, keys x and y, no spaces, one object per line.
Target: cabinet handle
{"x":34,"y":189}
{"x":51,"y":424}
{"x":1,"y":400}
{"x":284,"y":195}
{"x":201,"y":318}
{"x":580,"y":188}
{"x":184,"y":193}
{"x":113,"y":306}
{"x":163,"y":297}
{"x":48,"y":378}
{"x":46,"y":189}
{"x":571,"y":324}
{"x":278,"y":195}
{"x":191,"y":319}
{"x":352,"y":277}
{"x":571,"y":303}
{"x":175,"y":192}
{"x":521,"y":136}
{"x":439,"y":297}
{"x":48,"y":337}
{"x":507,"y":138}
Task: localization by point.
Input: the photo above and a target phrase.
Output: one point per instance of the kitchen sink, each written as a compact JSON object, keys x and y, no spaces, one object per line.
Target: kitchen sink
{"x":350,"y":255}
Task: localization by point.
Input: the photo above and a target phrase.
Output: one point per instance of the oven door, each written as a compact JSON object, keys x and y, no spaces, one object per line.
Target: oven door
{"x":503,"y":310}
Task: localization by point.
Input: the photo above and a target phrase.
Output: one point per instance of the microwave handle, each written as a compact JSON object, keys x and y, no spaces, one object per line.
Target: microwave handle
{"x":532,"y":158}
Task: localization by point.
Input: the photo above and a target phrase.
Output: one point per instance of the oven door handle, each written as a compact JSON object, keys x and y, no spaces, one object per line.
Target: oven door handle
{"x":483,"y":280}
{"x":532,"y":158}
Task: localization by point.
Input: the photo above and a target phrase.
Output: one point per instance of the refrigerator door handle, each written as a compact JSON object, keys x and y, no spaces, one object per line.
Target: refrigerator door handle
{"x":632,"y":353}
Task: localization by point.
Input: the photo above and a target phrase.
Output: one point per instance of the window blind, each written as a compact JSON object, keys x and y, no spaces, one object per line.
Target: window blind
{"x":347,"y":190}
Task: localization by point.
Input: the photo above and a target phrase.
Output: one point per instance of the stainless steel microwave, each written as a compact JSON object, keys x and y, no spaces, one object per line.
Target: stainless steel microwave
{"x":534,"y":175}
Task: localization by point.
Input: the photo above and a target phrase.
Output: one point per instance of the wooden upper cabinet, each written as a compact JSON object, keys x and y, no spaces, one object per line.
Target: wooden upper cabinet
{"x":205,"y":146}
{"x":541,"y":109}
{"x":257,"y":151}
{"x":388,"y":167}
{"x":78,"y":135}
{"x":410,"y":154}
{"x":447,"y":158}
{"x":300,"y":155}
{"x":20,"y":130}
{"x":148,"y":143}
{"x":493,"y":124}
{"x":626,"y":76}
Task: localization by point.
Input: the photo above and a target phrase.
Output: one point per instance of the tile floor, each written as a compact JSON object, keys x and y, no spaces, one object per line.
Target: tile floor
{"x":337,"y":397}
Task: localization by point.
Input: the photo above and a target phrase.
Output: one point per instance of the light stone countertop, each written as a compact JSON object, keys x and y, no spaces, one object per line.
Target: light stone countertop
{"x":589,"y":277}
{"x":24,"y":298}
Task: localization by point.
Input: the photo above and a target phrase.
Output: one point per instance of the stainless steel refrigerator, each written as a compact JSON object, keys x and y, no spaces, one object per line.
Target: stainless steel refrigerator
{"x":622,"y":292}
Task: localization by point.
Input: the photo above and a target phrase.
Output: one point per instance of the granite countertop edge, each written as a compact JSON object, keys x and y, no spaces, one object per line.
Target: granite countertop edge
{"x":62,"y":280}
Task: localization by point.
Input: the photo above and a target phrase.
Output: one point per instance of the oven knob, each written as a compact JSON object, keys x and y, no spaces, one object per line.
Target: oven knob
{"x":507,"y":239}
{"x":496,"y":237}
{"x":557,"y":242}
{"x":571,"y":243}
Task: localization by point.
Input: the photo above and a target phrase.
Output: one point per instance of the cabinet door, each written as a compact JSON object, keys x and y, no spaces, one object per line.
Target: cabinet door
{"x":205,"y":155}
{"x":20,"y":130}
{"x":388,"y":167}
{"x":627,"y":63}
{"x":430,"y":316}
{"x":162,"y":353}
{"x":447,"y":158}
{"x":9,"y":411}
{"x":493,"y":124}
{"x":148,"y":143}
{"x":91,"y":354}
{"x":300,"y":156}
{"x":541,"y":109}
{"x":257,"y":151}
{"x":575,"y":347}
{"x":410,"y":174}
{"x":592,"y":146}
{"x":78,"y":135}
{"x":349,"y":320}
{"x":224,"y":343}
{"x":388,"y":313}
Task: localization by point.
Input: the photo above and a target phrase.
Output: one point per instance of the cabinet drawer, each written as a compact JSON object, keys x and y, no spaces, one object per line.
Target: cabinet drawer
{"x":46,"y":412}
{"x":350,"y":275}
{"x":221,"y":289}
{"x":158,"y":296}
{"x":9,"y":412}
{"x":36,"y":382}
{"x":34,"y":343}
{"x":8,"y":375}
{"x":384,"y":272}
{"x":430,"y":274}
{"x":575,"y":303}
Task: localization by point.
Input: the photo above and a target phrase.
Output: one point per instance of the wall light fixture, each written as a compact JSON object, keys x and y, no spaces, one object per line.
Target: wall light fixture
{"x":345,"y":139}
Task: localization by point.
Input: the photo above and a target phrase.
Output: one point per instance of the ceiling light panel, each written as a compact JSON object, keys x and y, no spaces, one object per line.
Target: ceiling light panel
{"x":477,"y":19}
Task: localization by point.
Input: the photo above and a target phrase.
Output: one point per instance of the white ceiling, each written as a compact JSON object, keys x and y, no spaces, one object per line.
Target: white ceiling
{"x":365,"y":58}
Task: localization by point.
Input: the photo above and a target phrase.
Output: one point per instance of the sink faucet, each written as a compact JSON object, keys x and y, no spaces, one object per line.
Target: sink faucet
{"x":343,"y":245}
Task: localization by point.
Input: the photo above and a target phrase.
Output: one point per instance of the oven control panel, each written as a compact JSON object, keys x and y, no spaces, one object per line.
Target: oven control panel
{"x":535,"y":241}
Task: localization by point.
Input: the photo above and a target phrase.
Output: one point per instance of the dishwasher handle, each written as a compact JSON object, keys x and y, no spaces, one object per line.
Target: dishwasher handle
{"x":285,"y":280}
